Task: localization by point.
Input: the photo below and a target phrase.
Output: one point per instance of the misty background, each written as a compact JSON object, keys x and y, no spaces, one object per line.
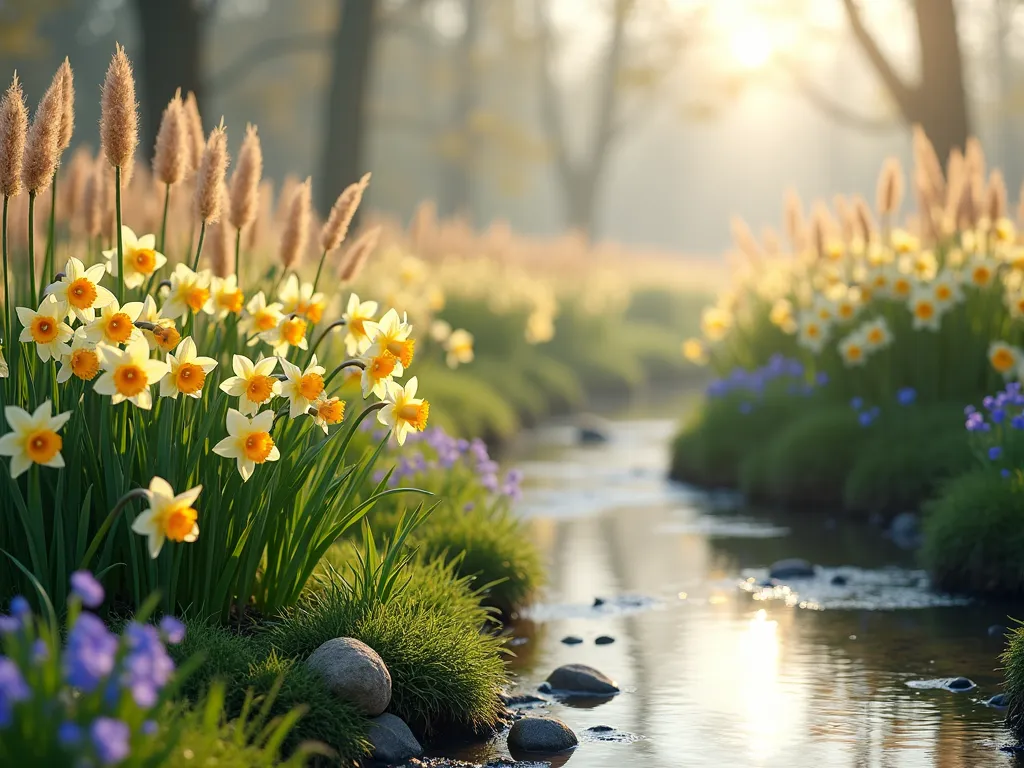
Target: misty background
{"x":647,"y":122}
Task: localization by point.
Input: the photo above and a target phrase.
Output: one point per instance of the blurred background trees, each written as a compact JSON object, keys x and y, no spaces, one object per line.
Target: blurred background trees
{"x":648,"y":121}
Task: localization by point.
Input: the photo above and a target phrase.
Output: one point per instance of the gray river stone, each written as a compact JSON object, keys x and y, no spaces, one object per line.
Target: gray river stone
{"x":999,"y":701}
{"x":392,"y":740}
{"x":581,"y":679}
{"x":541,"y":734}
{"x":791,"y":568}
{"x":572,"y":640}
{"x":354,"y":672}
{"x":604,"y":640}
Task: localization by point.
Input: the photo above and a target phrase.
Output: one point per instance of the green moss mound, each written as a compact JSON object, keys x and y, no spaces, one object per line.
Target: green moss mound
{"x":974,"y":535}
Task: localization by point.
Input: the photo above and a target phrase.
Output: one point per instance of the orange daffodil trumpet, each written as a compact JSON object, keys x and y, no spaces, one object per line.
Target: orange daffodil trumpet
{"x":169,"y":516}
{"x":83,"y":361}
{"x":186,"y":371}
{"x":299,"y":298}
{"x":33,"y":438}
{"x":327,"y":410}
{"x":248,"y":441}
{"x":189,"y":293}
{"x":79,"y":290}
{"x":404,"y":412}
{"x":302,"y":387}
{"x":116,"y":324}
{"x":252,"y":383}
{"x":140,"y":261}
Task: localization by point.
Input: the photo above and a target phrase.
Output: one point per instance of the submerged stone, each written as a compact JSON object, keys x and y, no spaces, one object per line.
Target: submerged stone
{"x":839,"y":581}
{"x":522,"y":700}
{"x":572,"y":640}
{"x":604,"y":640}
{"x":581,"y":679}
{"x":791,"y":568}
{"x":999,"y":701}
{"x":541,"y":734}
{"x":905,"y":530}
{"x":354,"y":672}
{"x":960,"y":684}
{"x":598,"y":602}
{"x":392,"y":740}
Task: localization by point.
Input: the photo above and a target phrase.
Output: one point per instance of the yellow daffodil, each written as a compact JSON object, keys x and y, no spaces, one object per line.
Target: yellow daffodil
{"x":228,"y":298}
{"x":290,"y":332}
{"x":46,"y":328}
{"x":695,"y":351}
{"x":540,"y":327}
{"x":129,"y":373}
{"x":252,"y":383}
{"x":260,"y":317}
{"x":116,"y":324}
{"x":924,"y":311}
{"x":248,"y":441}
{"x":876,"y":334}
{"x":327,"y":410}
{"x":878,"y":280}
{"x":813,"y":332}
{"x":189,"y":293}
{"x":404,"y":412}
{"x":440,"y":330}
{"x":165,"y":336}
{"x":302,"y":387}
{"x":33,"y":438}
{"x":82,"y":362}
{"x":715,"y":323}
{"x":79,"y":290}
{"x":168,"y":517}
{"x":381,"y":367}
{"x":945,"y":289}
{"x":392,"y":334}
{"x":1015,"y":302}
{"x":781,"y":315}
{"x":459,"y":347}
{"x":922,"y":265}
{"x":1005,"y":359}
{"x":359,"y":320}
{"x":1004,"y":230}
{"x":847,"y":305}
{"x":853,"y":350}
{"x":141,"y":259}
{"x":904,"y":242}
{"x":900,"y":285}
{"x":981,"y":272}
{"x":186,"y":371}
{"x":298,"y":298}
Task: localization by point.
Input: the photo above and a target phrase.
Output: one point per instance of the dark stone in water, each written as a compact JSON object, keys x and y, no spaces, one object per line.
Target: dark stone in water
{"x":960,"y":684}
{"x":544,"y":687}
{"x":604,"y":640}
{"x":791,"y":568}
{"x":905,"y":530}
{"x":598,"y":602}
{"x":522,"y":700}
{"x":580,"y":679}
{"x":839,"y":581}
{"x":572,"y":640}
{"x":600,"y":729}
{"x":999,"y":701}
{"x":541,"y":734}
{"x":997,"y":630}
{"x":392,"y":740}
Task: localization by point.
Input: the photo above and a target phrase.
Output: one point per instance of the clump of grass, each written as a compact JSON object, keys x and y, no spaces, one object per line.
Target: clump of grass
{"x":974,"y":534}
{"x":466,"y":405}
{"x":1013,"y":664}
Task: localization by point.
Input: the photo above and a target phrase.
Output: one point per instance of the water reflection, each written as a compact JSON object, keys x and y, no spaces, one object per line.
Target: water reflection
{"x":710,"y":675}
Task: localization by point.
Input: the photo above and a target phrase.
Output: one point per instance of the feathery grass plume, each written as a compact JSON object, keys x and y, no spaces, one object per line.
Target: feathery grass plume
{"x":956,"y":180}
{"x":928,"y":162}
{"x":296,"y":228}
{"x":889,"y":195}
{"x":171,"y":153}
{"x":974,"y":157}
{"x":821,"y":228}
{"x":67,"y":116}
{"x":284,"y":198}
{"x":73,"y":185}
{"x":866,"y":228}
{"x":245,"y":180}
{"x":340,"y":218}
{"x":41,"y":143}
{"x":995,"y":196}
{"x":968,"y":210}
{"x":196,"y":135}
{"x":357,"y":255}
{"x":745,"y":240}
{"x":119,"y":119}
{"x":255,"y":233}
{"x":771,"y":242}
{"x":846,"y":218}
{"x":210,"y":176}
{"x":796,"y":228}
{"x":930,"y":215}
{"x":13,"y":128}
{"x":222,"y":242}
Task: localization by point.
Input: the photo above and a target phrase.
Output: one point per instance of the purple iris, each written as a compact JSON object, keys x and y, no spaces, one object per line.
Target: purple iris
{"x":87,"y":588}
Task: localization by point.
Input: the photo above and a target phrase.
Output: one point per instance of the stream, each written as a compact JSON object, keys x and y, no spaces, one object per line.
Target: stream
{"x":716,"y":669}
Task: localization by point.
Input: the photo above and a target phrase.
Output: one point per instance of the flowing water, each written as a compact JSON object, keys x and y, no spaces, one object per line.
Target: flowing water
{"x":716,"y":670}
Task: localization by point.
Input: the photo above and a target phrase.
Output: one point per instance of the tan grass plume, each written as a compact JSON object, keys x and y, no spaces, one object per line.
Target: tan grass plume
{"x":340,"y":218}
{"x":119,"y":119}
{"x":210,"y":178}
{"x":927,"y":161}
{"x":72,"y":185}
{"x":357,"y":255}
{"x":889,"y":195}
{"x":222,"y":242}
{"x":13,"y":127}
{"x":745,"y":240}
{"x":245,"y":180}
{"x":67,"y":115}
{"x":196,"y":134}
{"x":296,"y":228}
{"x":171,"y":152}
{"x":41,"y":150}
{"x":866,"y":228}
{"x":995,"y":196}
{"x":794,"y":221}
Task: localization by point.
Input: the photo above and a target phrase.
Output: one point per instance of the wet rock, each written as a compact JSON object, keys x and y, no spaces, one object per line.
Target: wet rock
{"x":604,"y":640}
{"x":791,"y":568}
{"x":600,"y":729}
{"x":905,"y":530}
{"x":997,"y":630}
{"x":544,"y":687}
{"x":581,"y":679}
{"x":522,"y":700}
{"x":960,"y":684}
{"x":541,"y":734}
{"x":592,"y":430}
{"x":572,"y":640}
{"x":392,"y":740}
{"x":598,"y":602}
{"x":839,"y":581}
{"x":999,"y":701}
{"x":354,"y":672}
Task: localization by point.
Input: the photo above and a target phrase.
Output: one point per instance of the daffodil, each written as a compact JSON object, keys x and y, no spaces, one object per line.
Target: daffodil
{"x":813,"y":332}
{"x":129,"y":373}
{"x":260,"y":317}
{"x":695,"y":351}
{"x":404,"y":412}
{"x":327,"y":410}
{"x":46,"y":328}
{"x":1005,"y":359}
{"x":116,"y":324}
{"x":189,"y":293}
{"x":302,"y":387}
{"x":290,"y":332}
{"x":33,"y":438}
{"x":781,"y":315}
{"x":900,"y":285}
{"x":847,"y":305}
{"x":359,"y":321}
{"x":904,"y":242}
{"x":186,"y":371}
{"x":4,"y":370}
{"x":460,"y":348}
{"x":981,"y":272}
{"x":392,"y":334}
{"x":79,"y":290}
{"x":876,"y":334}
{"x":924,"y":311}
{"x":715,"y":323}
{"x":248,"y":441}
{"x":440,"y":330}
{"x":252,"y":383}
{"x":299,"y":298}
{"x":228,"y":298}
{"x":923,"y":265}
{"x":381,"y":367}
{"x":853,"y":350}
{"x":946,"y":290}
{"x":165,"y":335}
{"x":82,"y":362}
{"x":1004,"y":230}
{"x":169,"y":516}
{"x":141,"y":259}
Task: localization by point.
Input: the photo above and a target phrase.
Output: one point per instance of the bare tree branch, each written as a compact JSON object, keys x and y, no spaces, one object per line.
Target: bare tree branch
{"x":901,"y":92}
{"x":264,"y":51}
{"x":836,"y":110}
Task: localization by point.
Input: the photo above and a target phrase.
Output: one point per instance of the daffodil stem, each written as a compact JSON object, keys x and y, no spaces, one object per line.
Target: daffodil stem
{"x":238,"y":257}
{"x":120,"y":242}
{"x":199,"y":246}
{"x":356,"y":362}
{"x":8,"y":299}
{"x":32,"y":248}
{"x":319,"y":269}
{"x":163,"y":221}
{"x":137,"y":493}
{"x":51,"y":245}
{"x":335,"y":324}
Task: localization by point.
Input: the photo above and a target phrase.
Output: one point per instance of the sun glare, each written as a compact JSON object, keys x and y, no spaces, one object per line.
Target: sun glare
{"x":750,"y":46}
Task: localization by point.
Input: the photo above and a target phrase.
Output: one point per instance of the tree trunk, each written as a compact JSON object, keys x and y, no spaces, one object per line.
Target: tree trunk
{"x":460,"y":171}
{"x":580,"y":195}
{"x":170,"y":58}
{"x":941,"y":101}
{"x":342,"y":160}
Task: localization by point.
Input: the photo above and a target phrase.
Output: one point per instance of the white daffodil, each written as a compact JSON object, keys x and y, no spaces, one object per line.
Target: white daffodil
{"x":359,"y":322}
{"x":925,"y":311}
{"x":141,"y":259}
{"x":83,"y":361}
{"x":404,"y":412}
{"x":189,"y":293}
{"x":116,"y":324}
{"x":298,"y":298}
{"x":168,"y":517}
{"x":290,"y":332}
{"x":248,"y":441}
{"x":228,"y":298}
{"x":79,"y":290}
{"x":4,"y":370}
{"x":165,"y":336}
{"x":129,"y":373}
{"x":380,"y":368}
{"x":260,"y":317}
{"x":33,"y":438}
{"x":876,"y":334}
{"x":46,"y":328}
{"x":854,"y":350}
{"x":187,"y":371}
{"x":327,"y":410}
{"x":460,"y":348}
{"x":302,"y":387}
{"x":392,"y":334}
{"x":252,"y":383}
{"x":1005,"y":359}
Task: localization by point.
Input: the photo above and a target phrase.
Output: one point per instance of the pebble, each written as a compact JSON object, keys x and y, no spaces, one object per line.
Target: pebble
{"x":839,"y":580}
{"x":392,"y":740}
{"x":959,"y":684}
{"x":598,"y":602}
{"x":572,"y":640}
{"x":999,"y":701}
{"x":581,"y":679}
{"x":541,"y":734}
{"x":354,"y":672}
{"x":791,"y":568}
{"x":604,"y":640}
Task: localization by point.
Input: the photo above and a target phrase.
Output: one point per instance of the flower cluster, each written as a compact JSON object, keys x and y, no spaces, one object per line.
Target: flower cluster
{"x":868,"y":415}
{"x":997,"y":429}
{"x":787,"y":375}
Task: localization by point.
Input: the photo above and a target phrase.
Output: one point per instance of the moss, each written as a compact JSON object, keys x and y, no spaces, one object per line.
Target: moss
{"x":974,"y":535}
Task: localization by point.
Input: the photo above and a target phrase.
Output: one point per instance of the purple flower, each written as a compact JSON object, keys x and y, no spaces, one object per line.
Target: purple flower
{"x":970,"y":410}
{"x":995,"y":453}
{"x":90,"y":653}
{"x":976,"y":422}
{"x":478,"y":450}
{"x":469,"y":506}
{"x":821,"y":379}
{"x":110,"y":738}
{"x":490,"y":482}
{"x":1017,"y":422}
{"x":857,"y":403}
{"x":40,"y":651}
{"x":69,"y":734}
{"x":998,"y":415}
{"x":13,"y":689}
{"x":87,"y":588}
{"x":867,"y":418}
{"x":147,"y":667}
{"x":172,"y":629}
{"x":9,"y":624}
{"x":1004,"y":472}
{"x":906,"y":396}
{"x":149,"y":728}
{"x":20,"y":608}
